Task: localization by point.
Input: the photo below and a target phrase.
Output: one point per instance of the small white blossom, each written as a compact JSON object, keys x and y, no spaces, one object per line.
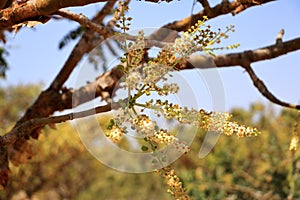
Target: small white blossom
{"x":133,"y":79}
{"x":115,"y":134}
{"x":144,"y":125}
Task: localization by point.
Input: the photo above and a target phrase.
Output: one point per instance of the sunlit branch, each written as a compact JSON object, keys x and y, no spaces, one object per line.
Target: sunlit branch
{"x":25,"y":128}
{"x":238,"y":59}
{"x":83,"y":46}
{"x":262,"y":88}
{"x":85,"y":21}
{"x":29,"y":10}
{"x":223,"y":8}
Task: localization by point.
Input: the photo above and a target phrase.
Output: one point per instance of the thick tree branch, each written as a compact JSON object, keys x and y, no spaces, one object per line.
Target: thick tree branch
{"x":206,"y":7}
{"x":53,"y":99}
{"x":239,"y":59}
{"x":262,"y":88}
{"x":205,"y":4}
{"x":260,"y":54}
{"x":18,"y":13}
{"x":103,"y":86}
{"x":244,"y":59}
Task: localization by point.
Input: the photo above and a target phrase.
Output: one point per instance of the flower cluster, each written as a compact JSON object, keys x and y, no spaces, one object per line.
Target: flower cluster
{"x":153,"y":72}
{"x":184,"y":46}
{"x":144,"y":77}
{"x":210,"y":121}
{"x":135,"y":51}
{"x":217,"y":121}
{"x":143,"y":125}
{"x":115,"y":134}
{"x":164,"y":137}
{"x":166,"y":57}
{"x":119,"y":15}
{"x":133,"y":79}
{"x":176,"y":188}
{"x":231,"y":128}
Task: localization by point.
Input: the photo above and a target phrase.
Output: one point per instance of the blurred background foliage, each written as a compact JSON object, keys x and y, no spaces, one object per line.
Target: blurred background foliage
{"x":237,"y":168}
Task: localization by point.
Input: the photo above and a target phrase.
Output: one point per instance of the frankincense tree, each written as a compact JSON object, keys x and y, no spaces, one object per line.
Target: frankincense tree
{"x":142,"y":76}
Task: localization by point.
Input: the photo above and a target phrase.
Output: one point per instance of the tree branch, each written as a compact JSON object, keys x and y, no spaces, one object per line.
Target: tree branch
{"x":206,"y":7}
{"x":85,"y":44}
{"x":84,"y":21}
{"x":205,"y":4}
{"x":18,"y":13}
{"x":260,"y":54}
{"x":104,"y":85}
{"x":239,"y":59}
{"x":23,"y":129}
{"x":223,"y":8}
{"x":53,"y":99}
{"x":262,"y":88}
{"x":244,"y":59}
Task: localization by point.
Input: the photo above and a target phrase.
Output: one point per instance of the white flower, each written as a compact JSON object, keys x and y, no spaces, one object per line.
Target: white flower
{"x":115,"y":134}
{"x":133,"y":79}
{"x":144,"y":125}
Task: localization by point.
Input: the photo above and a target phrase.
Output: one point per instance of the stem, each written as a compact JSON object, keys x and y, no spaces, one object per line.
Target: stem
{"x":138,"y":95}
{"x":134,"y":110}
{"x":141,"y":105}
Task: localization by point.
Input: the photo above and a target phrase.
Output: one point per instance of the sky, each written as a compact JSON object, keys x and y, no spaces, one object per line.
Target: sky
{"x":34,"y":56}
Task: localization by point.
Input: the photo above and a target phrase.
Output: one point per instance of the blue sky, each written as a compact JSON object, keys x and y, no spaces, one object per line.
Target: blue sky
{"x":34,"y":55}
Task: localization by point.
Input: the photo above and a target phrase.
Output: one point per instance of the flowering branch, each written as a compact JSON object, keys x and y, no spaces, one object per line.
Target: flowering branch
{"x":56,"y":98}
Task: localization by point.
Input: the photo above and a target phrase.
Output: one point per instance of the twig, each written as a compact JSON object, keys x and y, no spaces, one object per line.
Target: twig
{"x":279,"y":37}
{"x":84,"y":21}
{"x":262,"y":88}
